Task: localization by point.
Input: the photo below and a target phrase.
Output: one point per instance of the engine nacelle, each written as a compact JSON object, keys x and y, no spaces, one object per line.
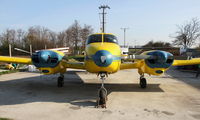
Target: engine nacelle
{"x":47,"y":61}
{"x":159,"y":62}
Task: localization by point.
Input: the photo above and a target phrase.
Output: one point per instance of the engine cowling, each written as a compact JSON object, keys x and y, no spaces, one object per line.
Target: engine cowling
{"x":159,"y":61}
{"x":47,"y":61}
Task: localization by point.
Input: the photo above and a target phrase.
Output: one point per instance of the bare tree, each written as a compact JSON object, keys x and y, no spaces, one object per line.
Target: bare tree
{"x":52,"y":39}
{"x":188,"y":33}
{"x":85,"y":32}
{"x":39,"y":37}
{"x":69,"y":38}
{"x":8,"y":37}
{"x":61,"y":39}
{"x":20,"y":36}
{"x":75,"y":32}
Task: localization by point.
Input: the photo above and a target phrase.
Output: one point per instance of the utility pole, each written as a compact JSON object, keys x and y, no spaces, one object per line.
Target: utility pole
{"x":10,"y":50}
{"x":124,"y":29}
{"x":103,"y":16}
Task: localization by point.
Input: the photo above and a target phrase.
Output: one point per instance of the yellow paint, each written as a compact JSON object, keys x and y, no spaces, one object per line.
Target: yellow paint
{"x":58,"y":69}
{"x":129,"y":66}
{"x":151,"y":71}
{"x":93,"y":68}
{"x":186,"y":62}
{"x":92,"y":48}
{"x":58,"y":52}
{"x":15,"y":60}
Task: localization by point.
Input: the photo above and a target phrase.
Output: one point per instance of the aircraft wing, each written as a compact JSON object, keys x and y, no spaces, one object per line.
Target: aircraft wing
{"x":186,"y":62}
{"x":75,"y":65}
{"x":136,"y":64}
{"x":77,"y":57}
{"x":15,"y":60}
{"x":129,"y":65}
{"x":81,"y":65}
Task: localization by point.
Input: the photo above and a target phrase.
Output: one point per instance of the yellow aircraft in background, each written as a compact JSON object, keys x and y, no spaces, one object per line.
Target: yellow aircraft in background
{"x":103,"y":57}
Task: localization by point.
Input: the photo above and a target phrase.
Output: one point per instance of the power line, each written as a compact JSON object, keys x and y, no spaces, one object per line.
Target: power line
{"x":103,"y":16}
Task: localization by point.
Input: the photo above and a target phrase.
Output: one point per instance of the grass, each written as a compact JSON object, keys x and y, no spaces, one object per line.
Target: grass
{"x":5,"y":119}
{"x":7,"y":72}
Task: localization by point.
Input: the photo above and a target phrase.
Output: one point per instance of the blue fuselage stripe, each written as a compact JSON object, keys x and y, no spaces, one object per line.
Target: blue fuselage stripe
{"x":113,"y":57}
{"x":103,"y":58}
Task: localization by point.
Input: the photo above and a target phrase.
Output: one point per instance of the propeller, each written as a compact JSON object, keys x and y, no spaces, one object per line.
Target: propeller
{"x":142,"y":57}
{"x":24,"y":51}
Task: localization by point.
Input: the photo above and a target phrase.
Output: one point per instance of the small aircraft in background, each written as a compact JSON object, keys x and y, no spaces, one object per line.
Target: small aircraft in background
{"x":103,"y":57}
{"x":189,"y":52}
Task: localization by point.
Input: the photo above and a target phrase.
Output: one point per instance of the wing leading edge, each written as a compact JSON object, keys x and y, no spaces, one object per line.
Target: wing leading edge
{"x":129,"y":65}
{"x":75,"y":65}
{"x":193,"y":61}
{"x":15,"y":60}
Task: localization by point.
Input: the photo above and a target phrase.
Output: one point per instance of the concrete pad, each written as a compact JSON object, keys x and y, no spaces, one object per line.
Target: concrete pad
{"x":1,"y":70}
{"x":31,"y":96}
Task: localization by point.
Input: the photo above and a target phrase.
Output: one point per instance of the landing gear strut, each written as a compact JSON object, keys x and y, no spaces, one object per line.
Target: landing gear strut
{"x":102,"y":92}
{"x":60,"y":81}
{"x":143,"y":82}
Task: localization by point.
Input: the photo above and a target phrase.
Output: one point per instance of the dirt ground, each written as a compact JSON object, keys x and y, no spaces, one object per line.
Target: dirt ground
{"x":31,"y":96}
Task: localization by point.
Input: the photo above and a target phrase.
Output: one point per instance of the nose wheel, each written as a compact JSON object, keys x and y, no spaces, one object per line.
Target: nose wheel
{"x":60,"y":81}
{"x":143,"y":82}
{"x":102,"y":92}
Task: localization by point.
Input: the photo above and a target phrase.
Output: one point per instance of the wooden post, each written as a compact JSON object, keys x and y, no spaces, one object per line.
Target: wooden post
{"x":10,"y":50}
{"x":31,"y":50}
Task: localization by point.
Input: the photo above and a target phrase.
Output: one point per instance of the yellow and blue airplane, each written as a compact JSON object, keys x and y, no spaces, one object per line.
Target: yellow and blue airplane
{"x":103,"y":57}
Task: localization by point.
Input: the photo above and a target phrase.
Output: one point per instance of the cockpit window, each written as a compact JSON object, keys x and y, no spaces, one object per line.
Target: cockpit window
{"x":98,"y":38}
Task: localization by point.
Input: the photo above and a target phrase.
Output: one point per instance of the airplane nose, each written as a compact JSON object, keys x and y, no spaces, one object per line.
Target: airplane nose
{"x":102,"y":58}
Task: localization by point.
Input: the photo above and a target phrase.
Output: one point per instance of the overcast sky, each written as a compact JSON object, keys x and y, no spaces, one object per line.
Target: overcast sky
{"x":147,"y":19}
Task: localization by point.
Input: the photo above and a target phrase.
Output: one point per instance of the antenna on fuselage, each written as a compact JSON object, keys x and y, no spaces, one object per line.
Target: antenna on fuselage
{"x":103,"y":7}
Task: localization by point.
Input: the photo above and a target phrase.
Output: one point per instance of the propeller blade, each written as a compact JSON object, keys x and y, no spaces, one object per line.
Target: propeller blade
{"x":141,"y":57}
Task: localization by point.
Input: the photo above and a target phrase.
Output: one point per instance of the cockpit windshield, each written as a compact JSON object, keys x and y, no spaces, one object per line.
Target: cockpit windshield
{"x":98,"y":38}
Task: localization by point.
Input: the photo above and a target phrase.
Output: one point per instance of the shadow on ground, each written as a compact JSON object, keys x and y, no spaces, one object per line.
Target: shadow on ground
{"x":75,"y":91}
{"x":184,"y":76}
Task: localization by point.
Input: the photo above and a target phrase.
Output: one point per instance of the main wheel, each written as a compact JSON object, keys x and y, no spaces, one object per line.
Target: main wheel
{"x":60,"y":82}
{"x":143,"y":83}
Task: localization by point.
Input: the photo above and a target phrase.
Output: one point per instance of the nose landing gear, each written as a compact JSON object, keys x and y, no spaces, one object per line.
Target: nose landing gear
{"x":102,"y":92}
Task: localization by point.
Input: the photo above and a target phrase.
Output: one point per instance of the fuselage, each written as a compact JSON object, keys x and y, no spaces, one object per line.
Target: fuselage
{"x":103,"y":53}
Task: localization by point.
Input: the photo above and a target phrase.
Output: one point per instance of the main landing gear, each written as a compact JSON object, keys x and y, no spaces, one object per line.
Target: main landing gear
{"x":102,"y":92}
{"x":143,"y":82}
{"x":60,"y":81}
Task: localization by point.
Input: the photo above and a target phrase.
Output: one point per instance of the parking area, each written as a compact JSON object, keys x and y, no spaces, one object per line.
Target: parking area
{"x":31,"y":96}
